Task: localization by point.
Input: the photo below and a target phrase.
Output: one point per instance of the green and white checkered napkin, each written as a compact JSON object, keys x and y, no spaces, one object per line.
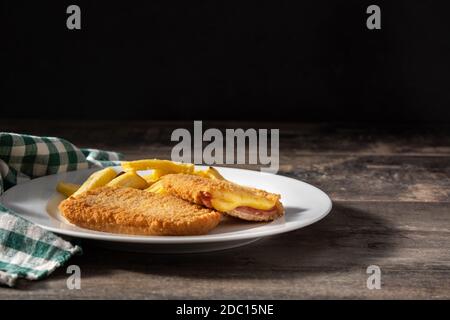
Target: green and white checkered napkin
{"x":26,"y":250}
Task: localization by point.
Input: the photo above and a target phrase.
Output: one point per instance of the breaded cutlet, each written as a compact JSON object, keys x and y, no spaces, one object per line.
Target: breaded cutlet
{"x":133,"y":211}
{"x":222,"y":195}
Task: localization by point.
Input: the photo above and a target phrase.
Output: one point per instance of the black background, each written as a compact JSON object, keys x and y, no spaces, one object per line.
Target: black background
{"x":303,"y":60}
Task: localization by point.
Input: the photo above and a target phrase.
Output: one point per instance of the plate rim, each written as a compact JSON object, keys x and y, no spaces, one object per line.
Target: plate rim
{"x":169,"y":240}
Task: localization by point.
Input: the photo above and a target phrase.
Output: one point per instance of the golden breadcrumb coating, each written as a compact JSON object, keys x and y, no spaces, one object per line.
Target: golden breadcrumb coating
{"x":190,"y":187}
{"x":132,"y":211}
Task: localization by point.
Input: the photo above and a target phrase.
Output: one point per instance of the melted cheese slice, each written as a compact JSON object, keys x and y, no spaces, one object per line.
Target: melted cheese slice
{"x":227,"y":201}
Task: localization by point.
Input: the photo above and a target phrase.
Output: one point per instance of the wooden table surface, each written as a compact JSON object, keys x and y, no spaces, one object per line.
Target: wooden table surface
{"x":390,"y":187}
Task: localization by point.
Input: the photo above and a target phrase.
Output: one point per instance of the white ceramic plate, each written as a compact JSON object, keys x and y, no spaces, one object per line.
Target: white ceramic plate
{"x":38,"y":201}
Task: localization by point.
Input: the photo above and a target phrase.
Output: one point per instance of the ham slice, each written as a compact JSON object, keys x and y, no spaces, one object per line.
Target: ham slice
{"x":246,"y":213}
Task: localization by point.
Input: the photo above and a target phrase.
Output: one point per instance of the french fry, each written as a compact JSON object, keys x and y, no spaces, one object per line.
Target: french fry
{"x":158,"y":173}
{"x":96,"y":180}
{"x":149,"y":179}
{"x":129,"y":179}
{"x":164,"y":165}
{"x":210,"y":173}
{"x":67,"y":189}
{"x":155,"y":175}
{"x":157,"y":187}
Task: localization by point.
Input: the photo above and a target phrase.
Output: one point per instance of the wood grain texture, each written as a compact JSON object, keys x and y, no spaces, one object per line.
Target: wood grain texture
{"x":391,"y":192}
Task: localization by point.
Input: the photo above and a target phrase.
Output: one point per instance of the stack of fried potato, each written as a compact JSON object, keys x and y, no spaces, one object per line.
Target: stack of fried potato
{"x":131,"y":179}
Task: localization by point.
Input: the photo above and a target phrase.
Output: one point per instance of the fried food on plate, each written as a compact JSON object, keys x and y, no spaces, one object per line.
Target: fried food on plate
{"x":164,"y":165}
{"x":129,"y":179}
{"x":67,"y":189}
{"x":132,"y":211}
{"x":96,"y":180}
{"x":155,"y":175}
{"x":178,"y":200}
{"x":224,"y":196}
{"x":210,"y":173}
{"x":101,"y":178}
